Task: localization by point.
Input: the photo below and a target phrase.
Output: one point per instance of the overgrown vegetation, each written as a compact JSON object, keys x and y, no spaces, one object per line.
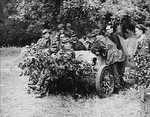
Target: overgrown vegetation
{"x":140,"y":76}
{"x":61,"y":73}
{"x":64,"y":74}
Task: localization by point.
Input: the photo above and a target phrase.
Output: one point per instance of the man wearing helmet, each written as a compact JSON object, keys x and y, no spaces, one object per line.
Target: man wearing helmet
{"x":69,"y":32}
{"x":45,"y":41}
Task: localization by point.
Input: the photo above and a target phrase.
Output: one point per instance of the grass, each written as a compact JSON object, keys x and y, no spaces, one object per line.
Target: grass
{"x":15,"y":102}
{"x":9,"y":51}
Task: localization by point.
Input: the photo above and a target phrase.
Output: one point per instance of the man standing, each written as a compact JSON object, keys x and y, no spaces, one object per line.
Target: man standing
{"x":69,"y":32}
{"x":115,"y":56}
{"x":142,"y":41}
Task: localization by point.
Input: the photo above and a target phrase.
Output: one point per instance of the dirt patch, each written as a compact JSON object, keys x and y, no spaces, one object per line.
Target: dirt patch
{"x":15,"y":102}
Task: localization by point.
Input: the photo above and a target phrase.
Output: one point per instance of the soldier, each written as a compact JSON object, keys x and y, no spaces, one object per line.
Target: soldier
{"x":76,"y":44}
{"x":110,"y":48}
{"x":66,"y":49}
{"x":92,"y":37}
{"x":45,"y":41}
{"x":43,"y":44}
{"x":67,"y":53}
{"x":143,"y":42}
{"x":69,"y":32}
{"x":59,"y":35}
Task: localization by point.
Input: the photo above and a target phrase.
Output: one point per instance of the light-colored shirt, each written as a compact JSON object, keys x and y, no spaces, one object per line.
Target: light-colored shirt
{"x":131,"y":44}
{"x":143,"y":46}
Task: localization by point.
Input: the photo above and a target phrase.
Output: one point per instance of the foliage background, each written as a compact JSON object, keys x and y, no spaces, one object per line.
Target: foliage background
{"x":22,"y":20}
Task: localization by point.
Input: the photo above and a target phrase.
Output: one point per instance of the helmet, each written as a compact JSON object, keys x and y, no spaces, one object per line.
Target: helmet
{"x":94,"y":33}
{"x":68,"y":25}
{"x":60,"y":26}
{"x":65,"y":40}
{"x":141,"y":27}
{"x":45,"y":31}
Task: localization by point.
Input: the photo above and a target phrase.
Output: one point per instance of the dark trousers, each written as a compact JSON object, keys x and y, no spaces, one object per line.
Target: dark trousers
{"x":119,"y":69}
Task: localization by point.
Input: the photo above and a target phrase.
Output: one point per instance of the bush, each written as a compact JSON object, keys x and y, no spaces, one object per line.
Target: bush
{"x":141,"y":75}
{"x":31,"y":16}
{"x":58,"y":73}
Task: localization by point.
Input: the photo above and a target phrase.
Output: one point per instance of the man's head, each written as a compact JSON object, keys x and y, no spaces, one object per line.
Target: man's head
{"x":60,"y":27}
{"x":68,"y":25}
{"x":140,"y":29}
{"x":100,"y":37}
{"x":62,"y":36}
{"x":127,"y":27}
{"x":66,"y":43}
{"x":45,"y":33}
{"x":74,"y":38}
{"x":128,"y":30}
{"x":54,"y":47}
{"x":93,"y":34}
{"x":62,"y":31}
{"x":109,"y":29}
{"x":84,"y":38}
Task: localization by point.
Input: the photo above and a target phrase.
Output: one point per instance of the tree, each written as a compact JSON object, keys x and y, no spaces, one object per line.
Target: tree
{"x":84,"y":15}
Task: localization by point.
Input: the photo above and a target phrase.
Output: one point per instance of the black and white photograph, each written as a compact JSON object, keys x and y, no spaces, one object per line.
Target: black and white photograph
{"x":74,"y":58}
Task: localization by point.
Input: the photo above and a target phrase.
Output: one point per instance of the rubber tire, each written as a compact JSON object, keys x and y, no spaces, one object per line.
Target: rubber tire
{"x":99,"y":79}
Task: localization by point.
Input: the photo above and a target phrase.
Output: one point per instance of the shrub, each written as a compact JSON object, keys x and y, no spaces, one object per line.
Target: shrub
{"x":141,"y":75}
{"x":61,"y":73}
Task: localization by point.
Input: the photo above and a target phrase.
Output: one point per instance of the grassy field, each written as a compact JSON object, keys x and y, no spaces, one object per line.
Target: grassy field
{"x":9,"y":52}
{"x":15,"y":102}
